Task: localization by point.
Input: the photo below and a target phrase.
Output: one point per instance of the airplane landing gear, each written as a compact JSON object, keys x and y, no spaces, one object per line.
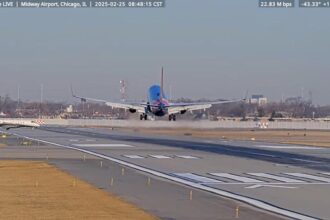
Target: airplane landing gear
{"x":172,"y":117}
{"x":144,"y":117}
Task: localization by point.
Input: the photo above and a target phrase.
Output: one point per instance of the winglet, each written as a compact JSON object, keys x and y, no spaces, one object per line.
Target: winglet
{"x":73,"y":95}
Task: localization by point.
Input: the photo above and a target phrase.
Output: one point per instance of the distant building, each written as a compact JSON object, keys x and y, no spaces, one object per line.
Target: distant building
{"x":258,"y":99}
{"x":69,"y":109}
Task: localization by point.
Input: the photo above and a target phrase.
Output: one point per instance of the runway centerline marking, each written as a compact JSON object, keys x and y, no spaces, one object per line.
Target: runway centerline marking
{"x":278,"y":178}
{"x":237,"y":178}
{"x":196,"y":178}
{"x":251,"y":201}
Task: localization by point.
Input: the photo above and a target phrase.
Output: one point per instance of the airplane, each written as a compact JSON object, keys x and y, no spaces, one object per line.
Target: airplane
{"x":157,"y":104}
{"x":19,"y":123}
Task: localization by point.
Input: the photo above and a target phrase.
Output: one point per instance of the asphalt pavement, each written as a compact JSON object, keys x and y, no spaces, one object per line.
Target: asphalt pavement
{"x":189,"y":178}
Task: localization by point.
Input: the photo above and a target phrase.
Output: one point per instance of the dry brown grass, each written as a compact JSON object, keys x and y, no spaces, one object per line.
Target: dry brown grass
{"x":36,"y":190}
{"x":309,"y":137}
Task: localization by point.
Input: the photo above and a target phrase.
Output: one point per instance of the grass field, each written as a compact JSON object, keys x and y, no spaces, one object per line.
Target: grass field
{"x":36,"y":190}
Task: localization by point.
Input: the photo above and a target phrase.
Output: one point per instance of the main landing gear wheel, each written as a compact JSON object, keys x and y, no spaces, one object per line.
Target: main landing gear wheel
{"x":144,"y":117}
{"x":172,"y":117}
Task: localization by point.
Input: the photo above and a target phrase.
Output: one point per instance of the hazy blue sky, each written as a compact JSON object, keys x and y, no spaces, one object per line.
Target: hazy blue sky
{"x":213,"y":48}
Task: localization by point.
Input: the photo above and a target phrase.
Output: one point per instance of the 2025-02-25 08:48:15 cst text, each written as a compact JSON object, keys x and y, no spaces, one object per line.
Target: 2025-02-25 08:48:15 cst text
{"x":128,"y":4}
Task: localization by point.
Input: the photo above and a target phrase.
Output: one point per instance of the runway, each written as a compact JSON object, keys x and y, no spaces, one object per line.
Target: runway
{"x":290,"y":180}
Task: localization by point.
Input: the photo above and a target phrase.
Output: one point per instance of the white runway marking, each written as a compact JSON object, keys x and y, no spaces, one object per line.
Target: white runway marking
{"x":186,"y":157}
{"x":207,"y":141}
{"x":160,"y":156}
{"x":278,"y":178}
{"x":308,"y":176}
{"x":196,"y":178}
{"x":307,"y":161}
{"x":271,"y":186}
{"x":133,"y":156}
{"x":73,"y":140}
{"x":237,"y":178}
{"x":288,"y":147}
{"x":103,"y":145}
{"x":90,"y":140}
{"x":260,"y":154}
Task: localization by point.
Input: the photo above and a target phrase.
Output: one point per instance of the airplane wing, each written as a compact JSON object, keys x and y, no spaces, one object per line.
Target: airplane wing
{"x":139,"y":107}
{"x":175,"y":108}
{"x":9,"y":124}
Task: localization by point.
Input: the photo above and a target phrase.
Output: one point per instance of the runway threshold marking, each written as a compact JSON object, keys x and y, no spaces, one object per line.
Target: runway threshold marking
{"x":308,"y":176}
{"x":237,"y":178}
{"x":251,"y":201}
{"x":196,"y":178}
{"x":278,"y":178}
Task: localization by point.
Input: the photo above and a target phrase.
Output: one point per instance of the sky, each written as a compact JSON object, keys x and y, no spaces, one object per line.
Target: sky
{"x":209,"y":49}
